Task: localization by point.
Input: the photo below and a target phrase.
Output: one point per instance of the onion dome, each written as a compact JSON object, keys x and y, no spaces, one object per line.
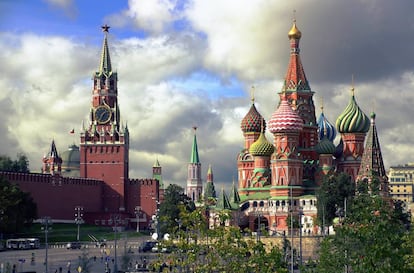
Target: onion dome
{"x":252,"y":122}
{"x":353,"y":119}
{"x":71,"y":162}
{"x":325,"y":146}
{"x":262,"y":147}
{"x":294,"y":32}
{"x":284,"y":119}
{"x":326,"y":128}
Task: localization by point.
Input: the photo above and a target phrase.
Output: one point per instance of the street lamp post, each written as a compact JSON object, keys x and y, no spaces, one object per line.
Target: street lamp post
{"x":259,"y":215}
{"x":115,"y":219}
{"x":46,"y":222}
{"x":300,"y":234}
{"x":78,"y":219}
{"x":156,"y":219}
{"x":291,"y":228}
{"x":137,"y":214}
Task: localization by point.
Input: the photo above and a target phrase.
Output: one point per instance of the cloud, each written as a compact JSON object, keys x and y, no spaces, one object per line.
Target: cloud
{"x":151,"y":16}
{"x":201,"y":73}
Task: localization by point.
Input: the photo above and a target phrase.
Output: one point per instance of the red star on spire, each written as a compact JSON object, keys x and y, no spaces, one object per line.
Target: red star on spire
{"x":105,"y":28}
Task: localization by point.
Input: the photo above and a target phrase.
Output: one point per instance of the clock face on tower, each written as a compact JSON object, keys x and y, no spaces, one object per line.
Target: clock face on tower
{"x":102,"y":114}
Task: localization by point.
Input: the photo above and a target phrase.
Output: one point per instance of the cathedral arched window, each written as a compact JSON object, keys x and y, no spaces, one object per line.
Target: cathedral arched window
{"x":255,"y":204}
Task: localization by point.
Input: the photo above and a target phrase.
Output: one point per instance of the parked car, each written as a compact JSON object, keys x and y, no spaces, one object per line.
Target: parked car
{"x":147,"y":246}
{"x":73,"y":245}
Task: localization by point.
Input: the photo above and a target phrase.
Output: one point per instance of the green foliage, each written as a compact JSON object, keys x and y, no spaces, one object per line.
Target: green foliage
{"x":169,"y":211}
{"x":222,"y":249}
{"x":21,"y":164}
{"x":370,"y":239}
{"x":409,"y":244}
{"x":333,"y":192}
{"x":17,"y":207}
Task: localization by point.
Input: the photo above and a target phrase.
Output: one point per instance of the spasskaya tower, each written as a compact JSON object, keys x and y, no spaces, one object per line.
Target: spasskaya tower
{"x":104,"y":142}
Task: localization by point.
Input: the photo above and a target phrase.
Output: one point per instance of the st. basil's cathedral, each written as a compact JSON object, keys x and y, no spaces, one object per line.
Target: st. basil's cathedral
{"x":279,"y":180}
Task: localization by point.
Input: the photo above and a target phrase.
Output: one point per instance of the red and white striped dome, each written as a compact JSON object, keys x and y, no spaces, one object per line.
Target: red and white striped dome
{"x":284,"y":119}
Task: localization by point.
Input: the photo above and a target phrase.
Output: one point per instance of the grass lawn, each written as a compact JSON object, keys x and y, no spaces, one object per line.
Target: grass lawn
{"x":68,"y":232}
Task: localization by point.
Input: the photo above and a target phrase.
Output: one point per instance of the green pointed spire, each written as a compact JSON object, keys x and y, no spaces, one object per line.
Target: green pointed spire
{"x":157,"y":173}
{"x":223,"y":201}
{"x":194,"y":151}
{"x":156,"y":163}
{"x":235,"y":197}
{"x":105,"y":66}
{"x":210,"y":191}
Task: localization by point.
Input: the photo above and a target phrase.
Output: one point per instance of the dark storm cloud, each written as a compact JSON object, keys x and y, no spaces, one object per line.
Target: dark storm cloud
{"x":370,"y":39}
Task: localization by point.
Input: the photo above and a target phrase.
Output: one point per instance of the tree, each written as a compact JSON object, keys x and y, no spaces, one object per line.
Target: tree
{"x":17,"y":208}
{"x":222,"y":249}
{"x":169,"y":210}
{"x":21,"y":164}
{"x":334,"y":192}
{"x":370,"y":239}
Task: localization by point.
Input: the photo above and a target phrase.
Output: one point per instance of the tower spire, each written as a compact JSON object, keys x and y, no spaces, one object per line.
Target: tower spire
{"x":194,"y":151}
{"x":372,"y":165}
{"x":295,"y":79}
{"x":105,"y":66}
{"x":194,"y":181}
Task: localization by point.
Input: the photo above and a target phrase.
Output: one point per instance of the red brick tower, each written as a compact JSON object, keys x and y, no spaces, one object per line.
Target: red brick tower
{"x":251,"y":125}
{"x":104,"y":145}
{"x":287,"y":163}
{"x":300,"y":97}
{"x":353,"y":125}
{"x":372,"y":164}
{"x":52,"y":162}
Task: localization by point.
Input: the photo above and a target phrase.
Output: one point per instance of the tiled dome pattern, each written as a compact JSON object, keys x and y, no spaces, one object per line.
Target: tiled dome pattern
{"x":262,"y":147}
{"x":284,"y":119}
{"x":253,"y":121}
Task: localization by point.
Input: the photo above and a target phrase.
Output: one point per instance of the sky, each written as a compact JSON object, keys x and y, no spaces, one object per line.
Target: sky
{"x":193,"y":63}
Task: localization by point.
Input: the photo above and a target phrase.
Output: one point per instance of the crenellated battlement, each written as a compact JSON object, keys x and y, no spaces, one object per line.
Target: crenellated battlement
{"x":143,"y":182}
{"x":49,"y":179}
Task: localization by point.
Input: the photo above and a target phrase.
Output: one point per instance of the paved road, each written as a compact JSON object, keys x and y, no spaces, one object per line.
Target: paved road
{"x":58,"y":256}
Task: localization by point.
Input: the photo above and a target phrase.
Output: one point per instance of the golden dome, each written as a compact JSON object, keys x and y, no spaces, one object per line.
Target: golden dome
{"x":294,"y":32}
